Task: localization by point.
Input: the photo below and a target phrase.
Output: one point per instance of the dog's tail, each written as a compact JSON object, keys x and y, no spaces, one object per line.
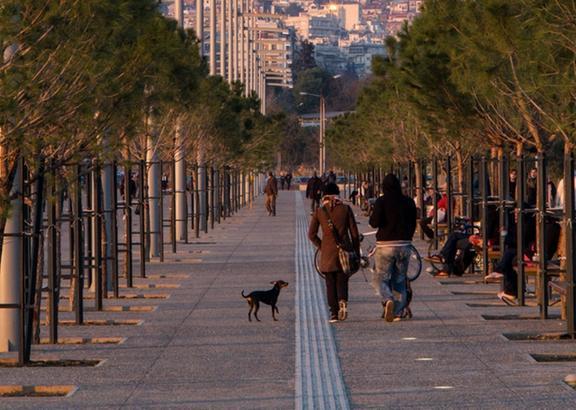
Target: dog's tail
{"x":243,"y":295}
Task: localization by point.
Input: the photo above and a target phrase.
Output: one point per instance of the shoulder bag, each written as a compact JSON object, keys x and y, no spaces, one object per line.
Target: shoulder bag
{"x":349,"y":260}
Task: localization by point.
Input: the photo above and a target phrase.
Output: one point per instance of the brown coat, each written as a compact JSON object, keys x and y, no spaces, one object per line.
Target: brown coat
{"x":271,"y":186}
{"x":343,"y":219}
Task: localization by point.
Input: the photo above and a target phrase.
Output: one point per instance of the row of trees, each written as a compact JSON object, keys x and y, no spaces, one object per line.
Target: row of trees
{"x":96,"y":78}
{"x":464,"y":77}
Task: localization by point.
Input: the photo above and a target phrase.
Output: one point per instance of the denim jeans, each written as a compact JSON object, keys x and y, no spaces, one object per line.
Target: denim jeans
{"x":390,"y":275}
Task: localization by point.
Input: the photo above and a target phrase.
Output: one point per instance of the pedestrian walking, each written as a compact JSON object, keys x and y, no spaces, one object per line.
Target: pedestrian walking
{"x":271,"y":191}
{"x":334,"y":217}
{"x":394,"y":216}
{"x":331,"y":178}
{"x":314,"y":192}
{"x":288,"y":180}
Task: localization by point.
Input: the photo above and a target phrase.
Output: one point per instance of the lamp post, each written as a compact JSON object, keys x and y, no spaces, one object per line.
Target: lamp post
{"x":322,"y":136}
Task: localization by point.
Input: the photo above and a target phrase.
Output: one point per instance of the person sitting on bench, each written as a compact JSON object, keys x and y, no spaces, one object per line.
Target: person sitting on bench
{"x":457,"y":253}
{"x":426,"y":222}
{"x":505,"y":267}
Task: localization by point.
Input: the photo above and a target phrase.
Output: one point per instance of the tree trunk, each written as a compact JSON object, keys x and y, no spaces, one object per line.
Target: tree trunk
{"x":38,"y":296}
{"x":419,"y":184}
{"x":11,"y":269}
{"x":493,"y":170}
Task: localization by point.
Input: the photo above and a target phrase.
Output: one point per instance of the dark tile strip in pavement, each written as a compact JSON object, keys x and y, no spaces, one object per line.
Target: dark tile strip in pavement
{"x":319,"y":382}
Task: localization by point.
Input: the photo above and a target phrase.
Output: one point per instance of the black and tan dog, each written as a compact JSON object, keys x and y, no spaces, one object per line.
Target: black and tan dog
{"x":269,"y":297}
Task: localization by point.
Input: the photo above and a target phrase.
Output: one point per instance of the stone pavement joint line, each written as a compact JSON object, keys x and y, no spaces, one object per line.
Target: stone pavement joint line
{"x":319,"y":382}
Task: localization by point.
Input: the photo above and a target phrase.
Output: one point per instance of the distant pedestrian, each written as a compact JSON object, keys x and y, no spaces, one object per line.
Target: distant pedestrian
{"x":334,"y":212}
{"x":331,"y":178}
{"x":282,"y":182}
{"x":531,"y":186}
{"x":512,"y":178}
{"x":394,"y":216}
{"x":314,"y":192}
{"x":132,"y":188}
{"x":353,"y":196}
{"x":164,"y":182}
{"x":271,"y":191}
{"x":288,"y":180}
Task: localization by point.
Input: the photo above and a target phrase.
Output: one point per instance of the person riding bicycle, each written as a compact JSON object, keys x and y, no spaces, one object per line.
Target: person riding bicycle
{"x":394,"y":216}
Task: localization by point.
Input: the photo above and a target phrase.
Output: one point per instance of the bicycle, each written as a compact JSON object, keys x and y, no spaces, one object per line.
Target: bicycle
{"x":414,"y":266}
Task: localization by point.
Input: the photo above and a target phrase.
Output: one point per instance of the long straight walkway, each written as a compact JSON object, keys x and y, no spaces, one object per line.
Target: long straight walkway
{"x":196,"y":349}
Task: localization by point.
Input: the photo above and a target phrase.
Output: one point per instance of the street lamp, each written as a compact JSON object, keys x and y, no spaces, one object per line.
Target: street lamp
{"x":322,"y":153}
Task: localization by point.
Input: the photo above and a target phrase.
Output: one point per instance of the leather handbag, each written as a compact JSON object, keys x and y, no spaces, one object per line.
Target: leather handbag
{"x":349,"y":259}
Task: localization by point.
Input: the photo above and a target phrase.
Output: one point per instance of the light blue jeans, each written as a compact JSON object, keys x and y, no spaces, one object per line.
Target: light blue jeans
{"x":390,"y":275}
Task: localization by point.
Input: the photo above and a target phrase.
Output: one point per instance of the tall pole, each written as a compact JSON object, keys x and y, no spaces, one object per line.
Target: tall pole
{"x":223,"y":38}
{"x":212,"y":37}
{"x":179,"y":12}
{"x":322,"y":134}
{"x":262,"y":93}
{"x":230,"y":40}
{"x":241,"y":44}
{"x":200,"y":24}
{"x":235,"y":40}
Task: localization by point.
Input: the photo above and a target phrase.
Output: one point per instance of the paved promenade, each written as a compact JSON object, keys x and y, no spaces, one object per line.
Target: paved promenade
{"x":196,"y":348}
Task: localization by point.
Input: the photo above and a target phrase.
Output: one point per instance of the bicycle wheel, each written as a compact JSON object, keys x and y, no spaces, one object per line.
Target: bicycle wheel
{"x":414,"y":265}
{"x":436,"y":265}
{"x":317,"y":263}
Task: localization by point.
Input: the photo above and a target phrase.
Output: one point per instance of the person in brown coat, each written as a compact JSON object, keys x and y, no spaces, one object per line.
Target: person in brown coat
{"x":271,"y":191}
{"x":343,"y":219}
